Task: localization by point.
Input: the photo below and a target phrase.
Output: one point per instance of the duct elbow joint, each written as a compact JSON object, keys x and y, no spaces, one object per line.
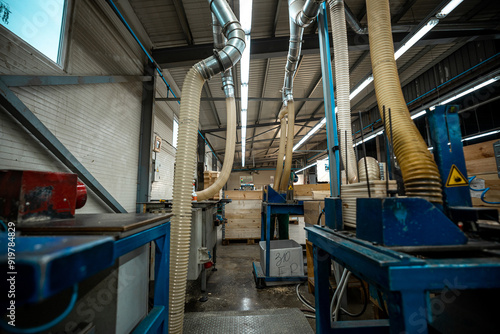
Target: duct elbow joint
{"x":228,"y":83}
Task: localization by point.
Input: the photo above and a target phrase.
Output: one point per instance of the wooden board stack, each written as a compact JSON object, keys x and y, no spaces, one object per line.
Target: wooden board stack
{"x":349,"y":193}
{"x":209,"y":178}
{"x":243,"y":214}
{"x":480,"y":162}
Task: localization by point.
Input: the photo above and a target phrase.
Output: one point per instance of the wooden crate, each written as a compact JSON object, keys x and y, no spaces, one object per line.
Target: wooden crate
{"x":243,"y":215}
{"x":350,"y":192}
{"x":209,"y":178}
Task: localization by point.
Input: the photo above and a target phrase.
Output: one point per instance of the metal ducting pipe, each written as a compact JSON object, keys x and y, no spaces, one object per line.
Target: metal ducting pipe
{"x":342,"y":87}
{"x":301,"y":14}
{"x":185,"y":158}
{"x":353,"y":21}
{"x":420,"y":174}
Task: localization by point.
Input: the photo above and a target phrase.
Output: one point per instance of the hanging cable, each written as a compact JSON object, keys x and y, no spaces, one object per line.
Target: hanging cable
{"x":484,"y":190}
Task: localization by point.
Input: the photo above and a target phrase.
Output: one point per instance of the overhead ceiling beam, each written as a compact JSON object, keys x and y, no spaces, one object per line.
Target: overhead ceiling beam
{"x":222,"y":99}
{"x":264,"y":84}
{"x":181,"y":15}
{"x":250,"y":126}
{"x":208,"y":93}
{"x":276,"y":18}
{"x":402,"y":11}
{"x":264,"y":48}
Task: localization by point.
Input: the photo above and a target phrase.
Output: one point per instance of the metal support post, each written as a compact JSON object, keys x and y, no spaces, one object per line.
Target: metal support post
{"x":331,"y":121}
{"x":201,"y":162}
{"x":321,"y":289}
{"x":146,"y":138}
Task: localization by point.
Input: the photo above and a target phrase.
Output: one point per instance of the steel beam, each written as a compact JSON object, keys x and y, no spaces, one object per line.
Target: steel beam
{"x":181,"y":15}
{"x":250,"y":126}
{"x":402,"y":11}
{"x":277,"y":47}
{"x":261,"y":99}
{"x":208,"y":93}
{"x":43,"y":80}
{"x":26,"y":118}
{"x":146,"y":139}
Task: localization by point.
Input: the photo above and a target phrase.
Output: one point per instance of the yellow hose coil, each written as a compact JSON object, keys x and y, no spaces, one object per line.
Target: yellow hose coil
{"x":289,"y":146}
{"x":420,"y":174}
{"x":185,"y":166}
{"x":281,"y":151}
{"x":229,"y":157}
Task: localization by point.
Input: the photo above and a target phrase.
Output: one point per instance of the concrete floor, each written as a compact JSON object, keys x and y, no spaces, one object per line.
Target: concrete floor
{"x":232,"y":286}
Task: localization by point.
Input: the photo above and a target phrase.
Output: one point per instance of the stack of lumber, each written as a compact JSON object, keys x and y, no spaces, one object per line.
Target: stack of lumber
{"x":243,"y":214}
{"x":305,"y":191}
{"x":480,"y":162}
{"x":350,"y":192}
{"x":209,"y":178}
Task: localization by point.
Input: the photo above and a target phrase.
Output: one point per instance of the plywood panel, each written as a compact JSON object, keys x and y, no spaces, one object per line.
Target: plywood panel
{"x":307,"y":189}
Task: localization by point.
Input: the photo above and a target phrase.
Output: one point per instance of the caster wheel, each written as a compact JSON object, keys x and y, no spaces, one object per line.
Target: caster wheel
{"x":203,"y":299}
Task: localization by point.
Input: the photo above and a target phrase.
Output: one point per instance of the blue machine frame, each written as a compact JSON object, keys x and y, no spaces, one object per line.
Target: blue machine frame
{"x":61,"y":253}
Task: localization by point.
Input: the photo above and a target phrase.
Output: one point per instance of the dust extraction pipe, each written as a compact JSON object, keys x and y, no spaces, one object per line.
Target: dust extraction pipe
{"x":228,"y":87}
{"x":420,"y":173}
{"x":185,"y":157}
{"x":301,"y":14}
{"x":281,"y":150}
{"x":342,"y":87}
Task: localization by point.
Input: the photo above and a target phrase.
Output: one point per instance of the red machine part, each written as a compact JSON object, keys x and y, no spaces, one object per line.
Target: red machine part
{"x":33,"y":195}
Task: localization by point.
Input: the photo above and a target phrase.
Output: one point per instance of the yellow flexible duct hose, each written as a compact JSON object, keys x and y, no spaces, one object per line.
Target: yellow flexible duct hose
{"x":281,"y":151}
{"x":289,"y":146}
{"x":420,"y":173}
{"x":185,"y":166}
{"x":229,"y":157}
{"x":342,"y":86}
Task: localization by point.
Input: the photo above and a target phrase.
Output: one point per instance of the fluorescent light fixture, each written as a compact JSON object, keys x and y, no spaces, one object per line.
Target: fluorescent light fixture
{"x":245,"y":62}
{"x":243,"y":135}
{"x":482,"y":135}
{"x":415,"y":38}
{"x":432,"y":108}
{"x":309,"y":134}
{"x":307,"y":167}
{"x":360,"y":88}
{"x":369,"y":138}
{"x":244,"y":97}
{"x":246,"y":15}
{"x":470,"y":90}
{"x":419,"y":114}
{"x":448,"y":8}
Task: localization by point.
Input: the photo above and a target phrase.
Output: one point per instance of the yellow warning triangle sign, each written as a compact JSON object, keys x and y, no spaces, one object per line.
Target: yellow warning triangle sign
{"x":456,"y":178}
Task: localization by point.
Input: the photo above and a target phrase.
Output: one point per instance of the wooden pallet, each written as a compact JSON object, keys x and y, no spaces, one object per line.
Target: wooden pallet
{"x":209,"y":178}
{"x":226,"y":242}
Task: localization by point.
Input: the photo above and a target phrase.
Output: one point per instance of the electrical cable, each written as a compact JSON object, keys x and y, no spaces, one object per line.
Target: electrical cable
{"x":302,"y":299}
{"x":44,"y":327}
{"x":341,"y":294}
{"x":365,"y":305}
{"x":484,"y":190}
{"x":339,"y":285}
{"x":319,"y":217}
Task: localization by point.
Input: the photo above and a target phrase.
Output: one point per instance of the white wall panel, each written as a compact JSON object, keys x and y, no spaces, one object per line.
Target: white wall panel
{"x":99,"y":124}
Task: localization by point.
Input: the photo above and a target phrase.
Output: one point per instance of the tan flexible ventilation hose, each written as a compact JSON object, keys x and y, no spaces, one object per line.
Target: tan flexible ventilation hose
{"x":229,"y":157}
{"x":372,"y":166}
{"x":342,"y":86}
{"x":420,"y":173}
{"x":289,"y":146}
{"x":185,"y":166}
{"x":281,"y":150}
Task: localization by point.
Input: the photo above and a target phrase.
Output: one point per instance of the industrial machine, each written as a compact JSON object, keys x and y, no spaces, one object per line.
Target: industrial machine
{"x":80,"y":273}
{"x":432,"y":266}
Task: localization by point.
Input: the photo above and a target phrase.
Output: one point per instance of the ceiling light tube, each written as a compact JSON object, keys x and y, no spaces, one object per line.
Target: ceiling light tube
{"x":246,"y":15}
{"x":415,"y":38}
{"x":369,"y":138}
{"x":309,"y":134}
{"x":470,"y":90}
{"x":419,"y":114}
{"x":360,"y":88}
{"x":482,"y":135}
{"x":306,"y":167}
{"x":448,"y":8}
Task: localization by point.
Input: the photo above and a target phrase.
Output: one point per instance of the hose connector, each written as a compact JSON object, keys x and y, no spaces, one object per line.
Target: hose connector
{"x":228,"y":83}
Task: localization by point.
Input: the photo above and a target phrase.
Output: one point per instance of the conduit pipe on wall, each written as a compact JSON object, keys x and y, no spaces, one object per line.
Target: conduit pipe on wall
{"x":301,"y":14}
{"x":281,"y":150}
{"x":420,"y":174}
{"x":185,"y":158}
{"x":342,"y":87}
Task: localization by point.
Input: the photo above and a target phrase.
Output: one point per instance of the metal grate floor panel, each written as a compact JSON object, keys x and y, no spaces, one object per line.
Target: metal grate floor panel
{"x":271,"y":321}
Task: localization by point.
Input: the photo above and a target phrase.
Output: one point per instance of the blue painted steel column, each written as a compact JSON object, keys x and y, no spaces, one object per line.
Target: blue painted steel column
{"x":331,"y":121}
{"x":444,"y":127}
{"x":268,"y":239}
{"x":408,"y":312}
{"x":23,"y":115}
{"x":321,"y":289}
{"x":146,"y":139}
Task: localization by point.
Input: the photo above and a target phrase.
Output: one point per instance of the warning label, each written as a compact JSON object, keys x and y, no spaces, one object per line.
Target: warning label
{"x":456,"y":178}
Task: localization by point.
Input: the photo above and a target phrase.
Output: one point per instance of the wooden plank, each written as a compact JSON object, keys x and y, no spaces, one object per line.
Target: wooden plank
{"x":234,"y":206}
{"x":312,"y":209}
{"x":239,"y":194}
{"x":320,"y":194}
{"x":481,"y":166}
{"x":479,"y":151}
{"x":243,"y":213}
{"x":243,"y":223}
{"x":307,"y":189}
{"x":310,"y":265}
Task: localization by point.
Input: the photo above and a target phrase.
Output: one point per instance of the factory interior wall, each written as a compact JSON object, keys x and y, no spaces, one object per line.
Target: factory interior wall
{"x":163,"y":181}
{"x":260,"y":179}
{"x":98,"y":123}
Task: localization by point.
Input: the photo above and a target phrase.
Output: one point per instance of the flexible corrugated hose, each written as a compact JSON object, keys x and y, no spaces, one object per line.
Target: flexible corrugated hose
{"x":342,"y":86}
{"x":281,"y":150}
{"x":420,"y":174}
{"x":289,"y":146}
{"x":229,"y":156}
